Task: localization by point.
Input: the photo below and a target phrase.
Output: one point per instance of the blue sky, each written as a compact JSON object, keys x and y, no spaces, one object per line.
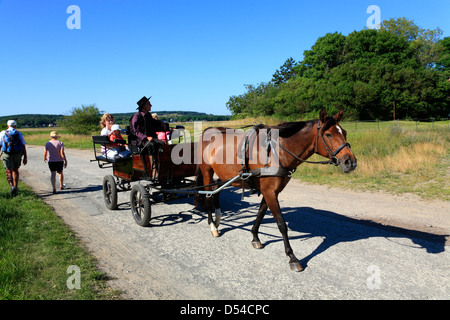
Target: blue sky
{"x":188,"y":55}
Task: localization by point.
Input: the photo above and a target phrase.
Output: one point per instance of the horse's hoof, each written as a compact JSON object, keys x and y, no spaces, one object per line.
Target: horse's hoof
{"x":257,"y":245}
{"x":215,"y":233}
{"x":296,"y":266}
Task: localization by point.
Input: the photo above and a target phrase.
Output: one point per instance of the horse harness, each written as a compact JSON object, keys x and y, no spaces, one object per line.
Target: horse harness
{"x":281,"y":171}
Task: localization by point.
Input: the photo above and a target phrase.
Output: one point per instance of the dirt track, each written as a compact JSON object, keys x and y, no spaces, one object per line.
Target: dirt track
{"x":339,"y":236}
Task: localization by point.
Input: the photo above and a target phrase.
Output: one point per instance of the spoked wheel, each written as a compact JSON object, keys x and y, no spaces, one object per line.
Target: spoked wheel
{"x":140,"y":205}
{"x":110,"y":192}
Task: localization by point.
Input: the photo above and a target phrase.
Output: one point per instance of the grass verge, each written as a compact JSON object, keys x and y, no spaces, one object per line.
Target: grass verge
{"x":36,"y":251}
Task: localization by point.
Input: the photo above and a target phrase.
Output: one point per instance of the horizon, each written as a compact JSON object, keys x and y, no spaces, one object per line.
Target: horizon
{"x":189,"y":57}
{"x":164,"y":112}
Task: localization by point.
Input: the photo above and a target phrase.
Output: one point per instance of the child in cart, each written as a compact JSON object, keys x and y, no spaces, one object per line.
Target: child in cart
{"x":118,"y":150}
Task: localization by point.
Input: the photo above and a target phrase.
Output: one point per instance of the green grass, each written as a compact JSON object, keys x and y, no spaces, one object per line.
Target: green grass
{"x":36,"y":249}
{"x":397,"y":158}
{"x":40,"y":136}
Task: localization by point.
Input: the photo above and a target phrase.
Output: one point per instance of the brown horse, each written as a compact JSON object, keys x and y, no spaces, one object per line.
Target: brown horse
{"x":268,"y":156}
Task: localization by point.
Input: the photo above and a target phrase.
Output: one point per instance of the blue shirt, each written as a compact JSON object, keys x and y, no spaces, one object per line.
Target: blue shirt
{"x":11,"y":130}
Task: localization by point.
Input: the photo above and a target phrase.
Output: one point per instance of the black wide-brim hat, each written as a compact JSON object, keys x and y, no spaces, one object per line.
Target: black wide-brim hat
{"x":142,"y":102}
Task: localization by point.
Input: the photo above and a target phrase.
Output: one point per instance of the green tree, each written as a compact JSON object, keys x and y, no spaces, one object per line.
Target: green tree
{"x":424,"y":41}
{"x":443,"y":62}
{"x":285,"y":72}
{"x":398,"y":71}
{"x":83,"y":120}
{"x":325,"y":54}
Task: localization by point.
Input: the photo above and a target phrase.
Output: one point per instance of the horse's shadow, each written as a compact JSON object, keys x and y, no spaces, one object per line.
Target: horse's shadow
{"x":332,"y":227}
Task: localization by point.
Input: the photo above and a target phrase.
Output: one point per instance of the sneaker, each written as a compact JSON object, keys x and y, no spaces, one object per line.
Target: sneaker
{"x":14,"y":191}
{"x":63,"y":187}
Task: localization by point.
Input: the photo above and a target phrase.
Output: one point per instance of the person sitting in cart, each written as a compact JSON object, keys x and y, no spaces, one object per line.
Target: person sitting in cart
{"x":119,"y":150}
{"x":164,"y":135}
{"x":144,"y":126}
{"x":106,"y":123}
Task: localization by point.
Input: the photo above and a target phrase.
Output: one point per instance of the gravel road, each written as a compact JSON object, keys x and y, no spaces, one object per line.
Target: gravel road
{"x":353,"y":245}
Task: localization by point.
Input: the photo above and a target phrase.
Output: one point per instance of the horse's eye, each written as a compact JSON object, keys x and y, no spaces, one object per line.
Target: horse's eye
{"x":328,"y":135}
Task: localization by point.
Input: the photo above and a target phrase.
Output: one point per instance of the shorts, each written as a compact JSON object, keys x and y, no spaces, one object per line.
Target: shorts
{"x":11,"y":160}
{"x":56,"y":166}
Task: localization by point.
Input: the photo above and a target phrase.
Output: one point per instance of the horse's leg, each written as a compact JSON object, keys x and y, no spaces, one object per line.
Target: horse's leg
{"x":213,"y":203}
{"x":210,"y":201}
{"x":274,"y":206}
{"x":256,"y":243}
{"x":217,"y":211}
{"x":212,"y":224}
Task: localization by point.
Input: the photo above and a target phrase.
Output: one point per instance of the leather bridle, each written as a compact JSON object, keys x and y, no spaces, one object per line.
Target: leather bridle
{"x":334,"y":160}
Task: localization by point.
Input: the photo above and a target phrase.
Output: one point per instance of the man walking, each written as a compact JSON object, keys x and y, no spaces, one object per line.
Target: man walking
{"x":13,"y":148}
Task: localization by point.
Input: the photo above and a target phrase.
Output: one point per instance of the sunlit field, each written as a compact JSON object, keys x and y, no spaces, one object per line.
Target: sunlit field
{"x":395,"y":157}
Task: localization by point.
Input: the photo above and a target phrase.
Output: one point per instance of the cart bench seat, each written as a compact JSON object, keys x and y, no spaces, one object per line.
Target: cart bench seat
{"x":114,"y":160}
{"x":103,"y":141}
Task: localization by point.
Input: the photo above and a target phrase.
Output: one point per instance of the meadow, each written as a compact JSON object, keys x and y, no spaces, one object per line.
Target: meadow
{"x":396,"y":158}
{"x":393,"y":156}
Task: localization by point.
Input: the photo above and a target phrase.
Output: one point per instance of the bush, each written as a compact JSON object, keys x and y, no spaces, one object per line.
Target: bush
{"x":84,"y":120}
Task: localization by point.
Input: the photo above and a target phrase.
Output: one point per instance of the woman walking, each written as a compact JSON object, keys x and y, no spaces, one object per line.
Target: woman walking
{"x":57,"y":160}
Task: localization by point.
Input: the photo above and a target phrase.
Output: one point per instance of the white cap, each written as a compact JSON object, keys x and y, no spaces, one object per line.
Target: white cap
{"x":12,"y":123}
{"x":115,"y":127}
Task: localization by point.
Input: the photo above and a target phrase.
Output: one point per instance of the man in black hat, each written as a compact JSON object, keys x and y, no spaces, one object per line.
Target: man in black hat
{"x":143,"y":126}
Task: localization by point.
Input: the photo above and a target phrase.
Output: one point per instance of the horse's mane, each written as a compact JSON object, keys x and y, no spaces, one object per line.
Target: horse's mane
{"x":288,"y":129}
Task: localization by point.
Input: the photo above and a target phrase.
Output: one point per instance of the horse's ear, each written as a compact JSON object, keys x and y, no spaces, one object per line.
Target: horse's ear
{"x":323,"y":115}
{"x":339,"y":115}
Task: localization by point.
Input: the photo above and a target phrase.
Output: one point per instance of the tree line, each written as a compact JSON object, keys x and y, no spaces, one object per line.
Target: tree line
{"x":32,"y":120}
{"x":398,"y":71}
{"x":86,"y":119}
{"x":175,"y":116}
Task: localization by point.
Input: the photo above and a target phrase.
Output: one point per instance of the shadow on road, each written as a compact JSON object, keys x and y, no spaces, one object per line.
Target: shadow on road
{"x":309,"y":222}
{"x":334,"y":228}
{"x":71,"y":192}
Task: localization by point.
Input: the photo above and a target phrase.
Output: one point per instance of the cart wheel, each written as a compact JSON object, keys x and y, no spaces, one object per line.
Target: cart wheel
{"x":140,"y":205}
{"x":110,"y":192}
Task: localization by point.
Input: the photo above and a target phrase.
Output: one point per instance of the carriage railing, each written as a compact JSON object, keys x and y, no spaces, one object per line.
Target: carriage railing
{"x":102,"y":142}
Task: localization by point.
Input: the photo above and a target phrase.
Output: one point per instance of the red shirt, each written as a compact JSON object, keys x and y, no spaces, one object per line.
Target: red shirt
{"x":113,"y":137}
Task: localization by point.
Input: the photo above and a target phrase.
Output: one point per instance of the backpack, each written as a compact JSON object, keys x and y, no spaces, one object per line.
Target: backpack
{"x":12,"y":142}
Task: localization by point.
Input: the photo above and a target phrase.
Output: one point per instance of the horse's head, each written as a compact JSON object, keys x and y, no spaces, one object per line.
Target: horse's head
{"x":331,"y":141}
